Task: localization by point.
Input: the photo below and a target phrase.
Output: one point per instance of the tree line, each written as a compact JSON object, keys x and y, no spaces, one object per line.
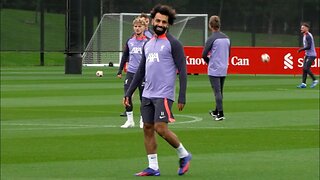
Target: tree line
{"x":265,"y":16}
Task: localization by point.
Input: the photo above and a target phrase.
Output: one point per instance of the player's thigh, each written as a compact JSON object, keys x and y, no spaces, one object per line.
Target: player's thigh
{"x":163,"y":111}
{"x":214,"y":81}
{"x":309,"y":61}
{"x":222,"y":80}
{"x":147,"y":110}
{"x":215,"y":84}
{"x":128,"y":80}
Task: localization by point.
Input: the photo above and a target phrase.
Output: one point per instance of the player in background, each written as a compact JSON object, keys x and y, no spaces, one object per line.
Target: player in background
{"x":162,"y":57}
{"x":132,"y":54}
{"x":148,"y":34}
{"x":146,"y":18}
{"x":310,"y":56}
{"x":216,"y":54}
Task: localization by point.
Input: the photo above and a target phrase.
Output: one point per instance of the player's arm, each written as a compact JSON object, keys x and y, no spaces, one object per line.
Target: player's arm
{"x":207,"y":49}
{"x":124,"y":58}
{"x":180,"y":61}
{"x":308,"y":45}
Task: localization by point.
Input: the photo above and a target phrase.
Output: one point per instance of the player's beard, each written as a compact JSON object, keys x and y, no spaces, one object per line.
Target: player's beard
{"x":160,"y":31}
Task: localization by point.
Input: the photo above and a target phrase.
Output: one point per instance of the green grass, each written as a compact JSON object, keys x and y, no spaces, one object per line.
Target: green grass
{"x":57,"y":126}
{"x":20,"y":31}
{"x":266,"y":40}
{"x":28,"y":58}
{"x":20,"y":38}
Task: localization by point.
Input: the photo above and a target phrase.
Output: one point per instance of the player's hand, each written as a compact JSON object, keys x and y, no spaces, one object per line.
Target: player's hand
{"x":180,"y":106}
{"x":126,"y":101}
{"x":119,"y":76}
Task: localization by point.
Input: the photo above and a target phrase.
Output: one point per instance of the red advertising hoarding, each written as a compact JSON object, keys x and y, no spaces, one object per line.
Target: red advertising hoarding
{"x":247,"y":60}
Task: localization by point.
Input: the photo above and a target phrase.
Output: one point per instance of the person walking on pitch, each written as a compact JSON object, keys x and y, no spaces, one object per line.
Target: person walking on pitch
{"x":162,"y":57}
{"x":216,"y":54}
{"x":310,"y":56}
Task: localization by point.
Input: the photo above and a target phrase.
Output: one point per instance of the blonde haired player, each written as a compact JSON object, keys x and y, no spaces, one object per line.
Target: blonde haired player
{"x":132,"y":54}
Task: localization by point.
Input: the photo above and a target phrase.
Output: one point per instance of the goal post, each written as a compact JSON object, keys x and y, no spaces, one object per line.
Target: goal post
{"x":114,"y":29}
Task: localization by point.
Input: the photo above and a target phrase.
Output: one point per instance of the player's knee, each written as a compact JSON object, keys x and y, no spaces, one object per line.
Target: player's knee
{"x":160,"y":130}
{"x":148,"y":126}
{"x":148,"y":129}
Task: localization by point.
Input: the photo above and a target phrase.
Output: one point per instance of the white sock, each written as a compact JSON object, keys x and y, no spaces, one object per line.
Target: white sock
{"x":153,"y":161}
{"x":182,"y":152}
{"x":141,"y":120}
{"x":130,"y":116}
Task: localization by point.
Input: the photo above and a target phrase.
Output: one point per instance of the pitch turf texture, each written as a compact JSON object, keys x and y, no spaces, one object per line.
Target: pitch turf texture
{"x":57,"y":126}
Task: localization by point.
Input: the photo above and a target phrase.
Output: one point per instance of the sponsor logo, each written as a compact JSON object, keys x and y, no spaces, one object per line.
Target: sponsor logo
{"x":284,"y":61}
{"x":289,"y":64}
{"x":136,"y":50}
{"x":288,"y":61}
{"x":153,"y":57}
{"x":162,"y":117}
{"x":316,"y":63}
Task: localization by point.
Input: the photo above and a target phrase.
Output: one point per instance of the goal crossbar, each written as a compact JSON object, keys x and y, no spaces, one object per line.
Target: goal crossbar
{"x":106,"y":43}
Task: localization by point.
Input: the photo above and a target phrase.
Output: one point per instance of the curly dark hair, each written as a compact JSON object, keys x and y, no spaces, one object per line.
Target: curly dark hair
{"x":164,"y":10}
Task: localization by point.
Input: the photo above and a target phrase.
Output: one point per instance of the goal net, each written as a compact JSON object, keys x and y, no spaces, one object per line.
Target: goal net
{"x":114,"y":29}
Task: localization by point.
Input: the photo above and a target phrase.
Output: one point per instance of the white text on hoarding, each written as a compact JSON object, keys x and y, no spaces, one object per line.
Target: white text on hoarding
{"x":236,"y":61}
{"x":195,"y":61}
{"x":316,"y":62}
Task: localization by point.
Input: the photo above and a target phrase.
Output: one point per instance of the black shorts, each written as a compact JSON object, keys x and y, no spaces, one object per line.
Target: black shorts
{"x":156,"y":110}
{"x":128,"y":80}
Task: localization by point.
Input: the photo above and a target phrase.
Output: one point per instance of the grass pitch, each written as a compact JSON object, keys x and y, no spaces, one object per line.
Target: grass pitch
{"x":57,"y":126}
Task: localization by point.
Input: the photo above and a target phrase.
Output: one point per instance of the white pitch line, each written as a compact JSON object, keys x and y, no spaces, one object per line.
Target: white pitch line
{"x":44,"y":128}
{"x":78,"y":126}
{"x":195,"y":119}
{"x":250,"y":128}
{"x":58,"y":125}
{"x":51,"y":126}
